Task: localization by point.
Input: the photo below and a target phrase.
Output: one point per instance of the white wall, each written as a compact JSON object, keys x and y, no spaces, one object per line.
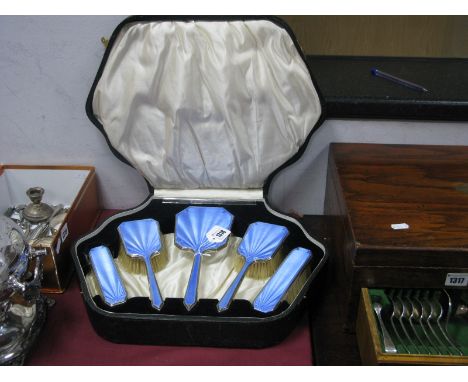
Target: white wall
{"x":47,"y":65}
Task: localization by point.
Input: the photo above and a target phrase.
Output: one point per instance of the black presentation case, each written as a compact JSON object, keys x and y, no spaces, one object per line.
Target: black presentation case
{"x":136,"y":321}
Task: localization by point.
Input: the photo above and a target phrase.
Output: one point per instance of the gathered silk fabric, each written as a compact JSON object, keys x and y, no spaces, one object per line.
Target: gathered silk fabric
{"x":206,"y":104}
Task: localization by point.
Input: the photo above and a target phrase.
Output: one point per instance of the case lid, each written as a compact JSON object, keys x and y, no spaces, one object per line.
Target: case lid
{"x":204,"y":103}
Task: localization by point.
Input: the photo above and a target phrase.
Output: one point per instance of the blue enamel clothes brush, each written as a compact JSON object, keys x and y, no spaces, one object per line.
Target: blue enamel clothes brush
{"x":200,"y":229}
{"x":283,"y":281}
{"x":140,"y":249}
{"x":260,"y":244}
{"x":110,"y":283}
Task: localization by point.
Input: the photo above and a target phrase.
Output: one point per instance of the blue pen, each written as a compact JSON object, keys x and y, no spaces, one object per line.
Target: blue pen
{"x":401,"y":81}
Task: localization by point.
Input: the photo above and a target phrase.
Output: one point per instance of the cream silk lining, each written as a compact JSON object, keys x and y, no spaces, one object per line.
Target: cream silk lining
{"x":206,"y":104}
{"x":216,"y":274}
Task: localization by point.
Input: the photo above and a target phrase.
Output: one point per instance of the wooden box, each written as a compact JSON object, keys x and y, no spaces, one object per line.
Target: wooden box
{"x":422,"y":189}
{"x":370,"y":346}
{"x":73,"y":186}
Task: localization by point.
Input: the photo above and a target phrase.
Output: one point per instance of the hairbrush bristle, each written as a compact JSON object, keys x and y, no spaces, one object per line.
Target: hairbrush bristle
{"x":136,"y":265}
{"x":298,"y":284}
{"x":260,"y":270}
{"x":92,"y":284}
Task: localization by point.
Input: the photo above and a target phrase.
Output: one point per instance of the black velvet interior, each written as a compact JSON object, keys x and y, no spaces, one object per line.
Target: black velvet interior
{"x":164,"y":213}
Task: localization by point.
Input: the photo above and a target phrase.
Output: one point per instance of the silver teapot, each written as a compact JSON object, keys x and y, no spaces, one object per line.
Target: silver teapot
{"x":22,"y":308}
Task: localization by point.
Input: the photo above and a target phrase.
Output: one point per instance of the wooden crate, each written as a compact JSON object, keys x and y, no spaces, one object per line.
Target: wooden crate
{"x":74,"y":186}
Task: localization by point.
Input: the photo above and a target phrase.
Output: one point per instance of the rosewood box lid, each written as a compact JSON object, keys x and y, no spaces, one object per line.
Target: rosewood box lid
{"x":407,"y":201}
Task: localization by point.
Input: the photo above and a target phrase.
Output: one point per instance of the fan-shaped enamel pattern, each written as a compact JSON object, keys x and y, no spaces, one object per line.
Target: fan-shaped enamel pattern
{"x":108,"y":277}
{"x":274,"y":290}
{"x":260,"y":243}
{"x":193,"y":226}
{"x":141,"y":239}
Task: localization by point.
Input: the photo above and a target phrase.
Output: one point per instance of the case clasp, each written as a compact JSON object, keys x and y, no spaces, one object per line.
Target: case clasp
{"x":104,"y":41}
